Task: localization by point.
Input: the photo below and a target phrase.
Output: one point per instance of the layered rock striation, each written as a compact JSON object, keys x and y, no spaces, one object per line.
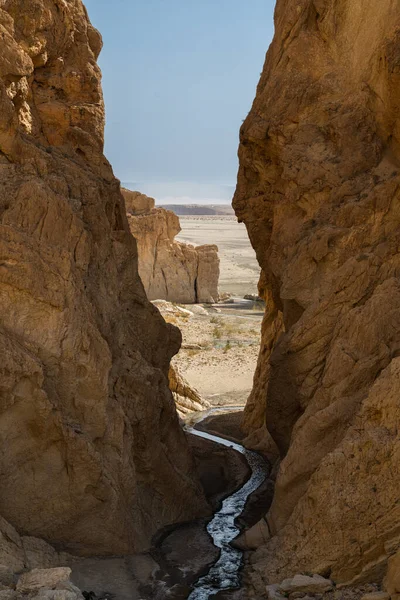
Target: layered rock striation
{"x":92,"y":456}
{"x":187,"y":399}
{"x":318,"y":189}
{"x":170,"y":270}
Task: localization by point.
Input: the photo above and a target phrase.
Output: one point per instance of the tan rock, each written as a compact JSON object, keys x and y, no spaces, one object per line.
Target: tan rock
{"x":137,"y":203}
{"x":273,"y":592}
{"x":8,"y":594}
{"x":57,"y":595}
{"x":40,"y":555}
{"x":12,"y":556}
{"x":318,"y":190}
{"x":171,"y":309}
{"x":187,"y":398}
{"x":18,"y":553}
{"x":6,"y":576}
{"x":376,"y":596}
{"x":42,"y":578}
{"x":196,"y":309}
{"x":391,"y":582}
{"x":254,"y":537}
{"x":171,"y":270}
{"x":314,"y":584}
{"x":206,"y":283}
{"x":93,"y":459}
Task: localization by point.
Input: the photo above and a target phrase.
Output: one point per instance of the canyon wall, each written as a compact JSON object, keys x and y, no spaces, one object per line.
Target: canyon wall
{"x":92,"y":456}
{"x":170,"y":270}
{"x":318,"y":189}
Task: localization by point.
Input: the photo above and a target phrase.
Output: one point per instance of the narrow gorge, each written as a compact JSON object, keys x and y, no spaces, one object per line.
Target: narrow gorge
{"x":112,"y":472}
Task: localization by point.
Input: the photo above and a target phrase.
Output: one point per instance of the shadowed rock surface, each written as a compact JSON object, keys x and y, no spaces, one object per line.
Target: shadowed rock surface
{"x":93,"y":458}
{"x":318,"y":189}
{"x":170,"y":270}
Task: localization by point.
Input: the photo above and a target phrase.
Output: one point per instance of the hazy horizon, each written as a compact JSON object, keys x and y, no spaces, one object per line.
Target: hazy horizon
{"x":182,"y":192}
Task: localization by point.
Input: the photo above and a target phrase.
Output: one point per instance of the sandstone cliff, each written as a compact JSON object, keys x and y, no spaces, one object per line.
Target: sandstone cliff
{"x":170,"y":270}
{"x":318,"y":189}
{"x":92,"y":457}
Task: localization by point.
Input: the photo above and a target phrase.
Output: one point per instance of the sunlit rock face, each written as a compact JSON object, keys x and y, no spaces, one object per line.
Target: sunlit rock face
{"x":92,"y":457}
{"x":318,"y":189}
{"x":170,"y":270}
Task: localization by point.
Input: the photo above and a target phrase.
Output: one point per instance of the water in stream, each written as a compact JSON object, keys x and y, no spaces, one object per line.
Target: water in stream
{"x":224,"y":574}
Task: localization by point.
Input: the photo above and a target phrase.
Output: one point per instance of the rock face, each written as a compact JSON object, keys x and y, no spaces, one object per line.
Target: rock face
{"x":187,"y":398}
{"x":170,"y":270}
{"x":23,"y":552}
{"x":93,"y":459}
{"x":36,"y":579}
{"x":318,"y":189}
{"x":392,"y":580}
{"x":137,"y":203}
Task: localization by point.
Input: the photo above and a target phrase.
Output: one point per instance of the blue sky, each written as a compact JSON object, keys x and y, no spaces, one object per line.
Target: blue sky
{"x":179,"y":76}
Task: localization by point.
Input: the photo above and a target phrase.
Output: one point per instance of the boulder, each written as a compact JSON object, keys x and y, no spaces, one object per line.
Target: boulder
{"x":36,"y":579}
{"x":254,"y":537}
{"x":12,"y":556}
{"x":196,"y":309}
{"x":306,"y":584}
{"x":376,"y":596}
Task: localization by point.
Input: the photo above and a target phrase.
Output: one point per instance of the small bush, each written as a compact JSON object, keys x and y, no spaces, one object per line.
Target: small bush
{"x":217,"y":333}
{"x":228,"y":346}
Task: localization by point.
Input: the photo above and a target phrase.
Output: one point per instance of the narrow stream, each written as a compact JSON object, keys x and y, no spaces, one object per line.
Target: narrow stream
{"x":225,"y":573}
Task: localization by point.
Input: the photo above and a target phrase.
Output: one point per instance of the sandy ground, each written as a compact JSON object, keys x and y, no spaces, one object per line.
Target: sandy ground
{"x":239,"y":267}
{"x":219,"y":352}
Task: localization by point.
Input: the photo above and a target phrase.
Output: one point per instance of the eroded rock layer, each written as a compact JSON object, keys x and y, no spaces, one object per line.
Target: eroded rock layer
{"x":187,"y":399}
{"x":170,"y":270}
{"x":92,"y":457}
{"x":318,"y":189}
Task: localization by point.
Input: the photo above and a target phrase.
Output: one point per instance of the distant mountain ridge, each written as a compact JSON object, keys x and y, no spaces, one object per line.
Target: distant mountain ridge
{"x":200,"y":209}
